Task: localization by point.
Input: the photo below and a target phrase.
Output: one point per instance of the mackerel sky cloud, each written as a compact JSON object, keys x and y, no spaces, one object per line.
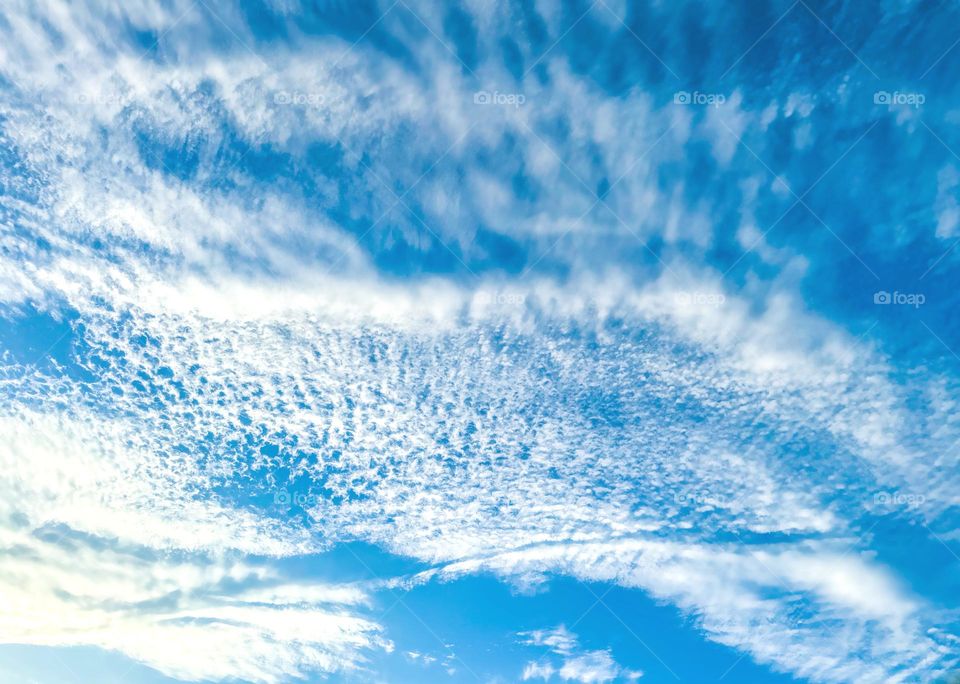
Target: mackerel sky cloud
{"x":479,"y":341}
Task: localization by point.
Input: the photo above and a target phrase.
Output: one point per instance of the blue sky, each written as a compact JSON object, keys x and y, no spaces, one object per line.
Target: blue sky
{"x":482,"y":341}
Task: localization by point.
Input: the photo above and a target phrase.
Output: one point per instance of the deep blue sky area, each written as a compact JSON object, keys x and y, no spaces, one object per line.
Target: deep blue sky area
{"x":511,"y":341}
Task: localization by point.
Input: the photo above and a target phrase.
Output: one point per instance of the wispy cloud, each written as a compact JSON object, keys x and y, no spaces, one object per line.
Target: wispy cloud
{"x":577,"y":664}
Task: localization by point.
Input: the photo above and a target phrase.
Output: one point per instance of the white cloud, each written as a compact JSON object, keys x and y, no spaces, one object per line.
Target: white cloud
{"x":536,"y":670}
{"x":559,"y":640}
{"x":670,"y":474}
{"x":745,"y":597}
{"x":181,"y":618}
{"x":947,"y":208}
{"x":577,"y":664}
{"x":592,"y":666}
{"x":82,"y":527}
{"x":350,"y":382}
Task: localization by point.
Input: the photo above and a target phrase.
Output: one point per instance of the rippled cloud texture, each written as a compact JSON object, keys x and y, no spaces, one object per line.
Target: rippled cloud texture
{"x":654,"y":298}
